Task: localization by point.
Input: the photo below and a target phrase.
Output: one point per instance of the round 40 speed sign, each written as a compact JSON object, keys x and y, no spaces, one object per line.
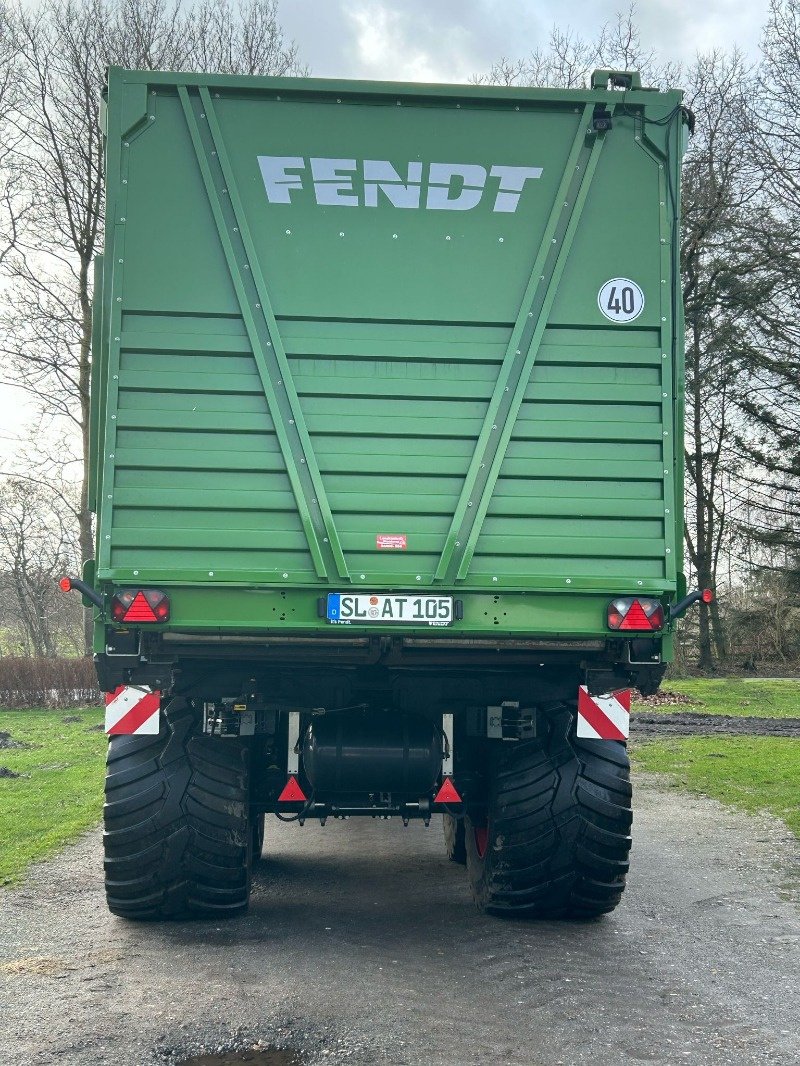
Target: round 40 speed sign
{"x":621,"y":300}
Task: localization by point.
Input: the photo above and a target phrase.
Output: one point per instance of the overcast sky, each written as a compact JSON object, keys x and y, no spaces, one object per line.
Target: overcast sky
{"x":450,"y":40}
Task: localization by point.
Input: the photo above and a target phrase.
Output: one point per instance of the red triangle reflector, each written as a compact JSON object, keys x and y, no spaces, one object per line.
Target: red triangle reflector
{"x":292,"y":793}
{"x":140,"y":610}
{"x":636,"y":618}
{"x":447,"y":793}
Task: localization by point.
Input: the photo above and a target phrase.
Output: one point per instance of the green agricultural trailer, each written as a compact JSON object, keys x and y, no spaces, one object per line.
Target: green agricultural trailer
{"x":386,"y":459}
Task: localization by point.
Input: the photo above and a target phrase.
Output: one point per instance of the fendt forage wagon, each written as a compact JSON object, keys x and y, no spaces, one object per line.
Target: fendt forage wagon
{"x":386,"y":460}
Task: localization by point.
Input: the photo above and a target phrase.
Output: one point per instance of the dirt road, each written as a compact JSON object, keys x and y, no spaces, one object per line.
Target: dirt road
{"x":362,"y":946}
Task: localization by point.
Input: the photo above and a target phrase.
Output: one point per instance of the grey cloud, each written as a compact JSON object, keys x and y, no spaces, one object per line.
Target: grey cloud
{"x":448,"y":40}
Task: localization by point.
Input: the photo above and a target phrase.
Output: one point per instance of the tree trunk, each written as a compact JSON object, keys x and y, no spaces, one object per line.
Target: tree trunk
{"x":86,"y":536}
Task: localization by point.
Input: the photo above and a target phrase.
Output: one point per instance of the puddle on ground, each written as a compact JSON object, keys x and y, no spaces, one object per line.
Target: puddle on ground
{"x":266,"y":1057}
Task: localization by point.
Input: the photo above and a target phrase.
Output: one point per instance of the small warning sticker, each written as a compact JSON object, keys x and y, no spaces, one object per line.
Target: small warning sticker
{"x":397,"y":542}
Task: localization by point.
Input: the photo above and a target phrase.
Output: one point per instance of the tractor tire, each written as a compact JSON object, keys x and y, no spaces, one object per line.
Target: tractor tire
{"x":257,"y":833}
{"x":178,"y":838}
{"x":454,"y":840}
{"x":554,"y":840}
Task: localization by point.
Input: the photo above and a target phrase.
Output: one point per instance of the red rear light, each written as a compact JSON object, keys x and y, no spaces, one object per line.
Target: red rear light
{"x":707,"y":596}
{"x":638,"y":614}
{"x":140,"y":605}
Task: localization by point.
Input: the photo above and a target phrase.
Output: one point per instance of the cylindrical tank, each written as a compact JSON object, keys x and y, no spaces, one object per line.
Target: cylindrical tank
{"x":372,"y":753}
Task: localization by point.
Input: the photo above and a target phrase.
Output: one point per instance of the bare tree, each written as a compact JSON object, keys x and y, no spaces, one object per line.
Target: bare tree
{"x":37,"y":545}
{"x":55,"y":163}
{"x":567,"y":60}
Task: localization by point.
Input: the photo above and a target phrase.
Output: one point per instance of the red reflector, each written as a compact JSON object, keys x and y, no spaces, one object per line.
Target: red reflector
{"x":635,"y":614}
{"x":292,"y":793}
{"x":140,"y":610}
{"x":447,"y":793}
{"x":65,"y":584}
{"x":707,"y":597}
{"x":140,"y":605}
{"x":636,"y":618}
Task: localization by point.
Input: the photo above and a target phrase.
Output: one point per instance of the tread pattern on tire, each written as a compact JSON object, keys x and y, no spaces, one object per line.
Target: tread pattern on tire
{"x":177,"y":836}
{"x":559,"y":827}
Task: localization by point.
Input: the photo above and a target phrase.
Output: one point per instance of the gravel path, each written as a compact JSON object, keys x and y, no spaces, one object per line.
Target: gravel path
{"x":362,"y":946}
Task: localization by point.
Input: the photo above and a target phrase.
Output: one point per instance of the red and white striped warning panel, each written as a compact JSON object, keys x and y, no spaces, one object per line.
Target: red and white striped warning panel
{"x":604,"y":717}
{"x":133,"y":710}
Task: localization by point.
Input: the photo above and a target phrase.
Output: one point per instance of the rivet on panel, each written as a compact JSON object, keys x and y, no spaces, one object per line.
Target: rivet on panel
{"x":125,"y":144}
{"x":202,"y":114}
{"x":291,"y":421}
{"x":639,"y":582}
{"x":667,"y":511}
{"x":516,"y":107}
{"x":302,"y":461}
{"x":363,"y":577}
{"x":113,"y":418}
{"x":111,"y":455}
{"x":394,"y":236}
{"x":341,"y":233}
{"x":666,"y":433}
{"x":447,"y":238}
{"x":119,"y":299}
{"x":494,"y":579}
{"x":153,"y":118}
{"x":285,"y":575}
{"x":569,"y":580}
{"x":666,"y":473}
{"x":501,"y":239}
{"x":124,"y":181}
{"x":120,"y":260}
{"x":288,"y":233}
{"x":210,"y":573}
{"x":122,"y":219}
{"x":324,"y":540}
{"x":469,"y":504}
{"x":116,"y":377}
{"x":663,"y":395}
{"x":663,"y":318}
{"x":494,"y":427}
{"x":669,"y":550}
{"x":419,"y":577}
{"x":116,"y":338}
{"x":458,"y":543}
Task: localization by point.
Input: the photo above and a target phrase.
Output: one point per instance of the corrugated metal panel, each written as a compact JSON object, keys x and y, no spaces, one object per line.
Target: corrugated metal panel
{"x":287,"y":381}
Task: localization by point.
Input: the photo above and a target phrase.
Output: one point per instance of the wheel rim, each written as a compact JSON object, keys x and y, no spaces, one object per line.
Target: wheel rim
{"x":481,"y":834}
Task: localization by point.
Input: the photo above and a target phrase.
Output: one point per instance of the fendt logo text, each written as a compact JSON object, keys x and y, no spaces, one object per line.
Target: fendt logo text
{"x":432,"y":187}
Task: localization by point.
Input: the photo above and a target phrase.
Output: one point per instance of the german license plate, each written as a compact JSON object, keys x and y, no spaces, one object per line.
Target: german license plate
{"x":346,"y":608}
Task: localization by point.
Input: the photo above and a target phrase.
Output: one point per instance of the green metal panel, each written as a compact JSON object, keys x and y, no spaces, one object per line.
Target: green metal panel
{"x":336,"y":310}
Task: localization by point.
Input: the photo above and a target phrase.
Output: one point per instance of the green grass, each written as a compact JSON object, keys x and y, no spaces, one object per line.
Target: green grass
{"x":759,"y":699}
{"x":59,"y":792}
{"x":753,"y":773}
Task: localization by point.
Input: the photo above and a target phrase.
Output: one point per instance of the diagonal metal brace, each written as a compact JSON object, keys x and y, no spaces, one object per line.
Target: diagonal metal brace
{"x":262,"y":330}
{"x":523,"y":347}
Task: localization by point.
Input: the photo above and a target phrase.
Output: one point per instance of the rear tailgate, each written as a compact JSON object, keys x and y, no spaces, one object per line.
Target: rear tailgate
{"x":389,"y":336}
